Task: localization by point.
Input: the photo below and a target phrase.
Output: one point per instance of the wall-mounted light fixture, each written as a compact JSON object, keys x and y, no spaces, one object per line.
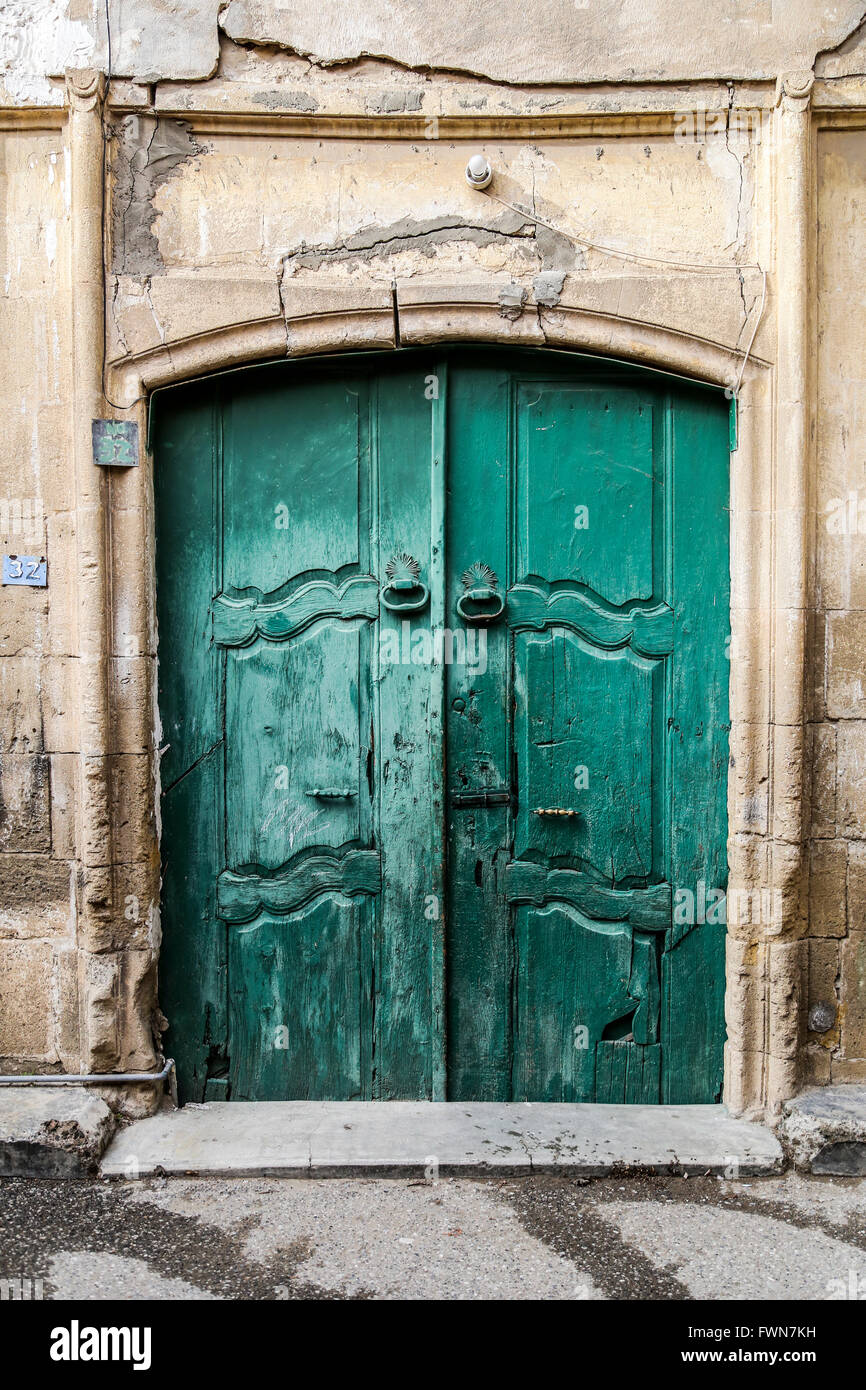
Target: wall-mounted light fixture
{"x":479,"y":171}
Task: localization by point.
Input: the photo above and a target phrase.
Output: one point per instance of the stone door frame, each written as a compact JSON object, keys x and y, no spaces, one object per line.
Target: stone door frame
{"x":118,"y":812}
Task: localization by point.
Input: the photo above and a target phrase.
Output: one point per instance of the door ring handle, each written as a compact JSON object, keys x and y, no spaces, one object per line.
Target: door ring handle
{"x":406,"y":605}
{"x":402,"y":576}
{"x":480,"y":586}
{"x":484,"y":615}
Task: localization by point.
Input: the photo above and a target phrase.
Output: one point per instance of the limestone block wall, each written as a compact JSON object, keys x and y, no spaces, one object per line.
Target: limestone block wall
{"x":837,"y":660}
{"x":261,"y":180}
{"x":39,"y":742}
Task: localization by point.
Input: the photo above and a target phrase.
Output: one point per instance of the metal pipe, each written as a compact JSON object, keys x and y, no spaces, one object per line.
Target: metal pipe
{"x":94,"y":1078}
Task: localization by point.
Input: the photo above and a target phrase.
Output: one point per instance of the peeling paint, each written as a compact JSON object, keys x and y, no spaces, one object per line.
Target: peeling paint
{"x":36,"y":40}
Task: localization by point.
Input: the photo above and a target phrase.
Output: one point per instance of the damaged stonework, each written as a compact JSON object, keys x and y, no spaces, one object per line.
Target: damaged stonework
{"x":559,"y":256}
{"x":547,"y":288}
{"x":824,"y":1131}
{"x":52,"y":1131}
{"x":147,"y":40}
{"x":371,"y":243}
{"x":846,"y":60}
{"x":177,"y":37}
{"x":40,"y":39}
{"x":302,"y":102}
{"x":393,"y":103}
{"x":372,"y":248}
{"x":511,"y":301}
{"x":147,"y":151}
{"x":573,"y":41}
{"x":36,"y":896}
{"x":592,"y":41}
{"x":556,"y":252}
{"x":25,"y":795}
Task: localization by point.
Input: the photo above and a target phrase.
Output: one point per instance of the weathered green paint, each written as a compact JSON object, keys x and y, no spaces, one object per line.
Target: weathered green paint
{"x":361,"y":899}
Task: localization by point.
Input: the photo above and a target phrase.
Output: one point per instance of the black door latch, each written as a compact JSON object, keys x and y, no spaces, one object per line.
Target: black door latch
{"x":502,"y":797}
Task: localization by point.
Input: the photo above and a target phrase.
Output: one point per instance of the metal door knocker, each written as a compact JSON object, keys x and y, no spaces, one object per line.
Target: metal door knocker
{"x":481,"y":591}
{"x":402,"y":577}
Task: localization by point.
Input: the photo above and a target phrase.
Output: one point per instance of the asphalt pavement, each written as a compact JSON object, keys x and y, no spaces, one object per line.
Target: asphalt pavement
{"x":668,"y":1238}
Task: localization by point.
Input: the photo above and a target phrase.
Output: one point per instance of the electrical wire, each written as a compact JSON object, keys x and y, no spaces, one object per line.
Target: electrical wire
{"x":106,"y":141}
{"x":736,"y":389}
{"x":614,"y":251}
{"x":705,"y":266}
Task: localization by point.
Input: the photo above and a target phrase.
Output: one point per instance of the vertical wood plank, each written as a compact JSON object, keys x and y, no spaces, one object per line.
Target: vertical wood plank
{"x":408,"y":750}
{"x":436,"y":729}
{"x":480,"y":955}
{"x":193,"y":962}
{"x":693,"y":968}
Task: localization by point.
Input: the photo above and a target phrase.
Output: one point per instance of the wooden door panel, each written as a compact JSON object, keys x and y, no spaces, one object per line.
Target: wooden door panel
{"x":193,"y":955}
{"x":194,"y":958}
{"x":584,"y":737}
{"x":587,"y":1009}
{"x":626,"y":1074}
{"x":299,"y":1011}
{"x":294,"y":741}
{"x":480,"y":947}
{"x":408,"y":748}
{"x":585,"y":487}
{"x":693,"y":968}
{"x":572,"y":981}
{"x":294,"y":618}
{"x":644,"y":909}
{"x":592,"y":630}
{"x":295,"y":482}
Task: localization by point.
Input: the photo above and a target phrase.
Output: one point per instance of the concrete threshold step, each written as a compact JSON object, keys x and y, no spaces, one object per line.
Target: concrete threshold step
{"x":400,"y":1138}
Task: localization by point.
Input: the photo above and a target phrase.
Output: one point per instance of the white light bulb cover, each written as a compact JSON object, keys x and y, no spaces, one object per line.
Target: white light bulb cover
{"x":478,"y":171}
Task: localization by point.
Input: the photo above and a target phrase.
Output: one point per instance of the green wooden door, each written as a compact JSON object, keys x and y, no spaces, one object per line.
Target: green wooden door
{"x":443,"y":688}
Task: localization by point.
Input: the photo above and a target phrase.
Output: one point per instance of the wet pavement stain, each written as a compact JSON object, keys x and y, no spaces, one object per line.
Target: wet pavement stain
{"x":565,"y":1215}
{"x":568,"y":1215}
{"x":40,"y":1219}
